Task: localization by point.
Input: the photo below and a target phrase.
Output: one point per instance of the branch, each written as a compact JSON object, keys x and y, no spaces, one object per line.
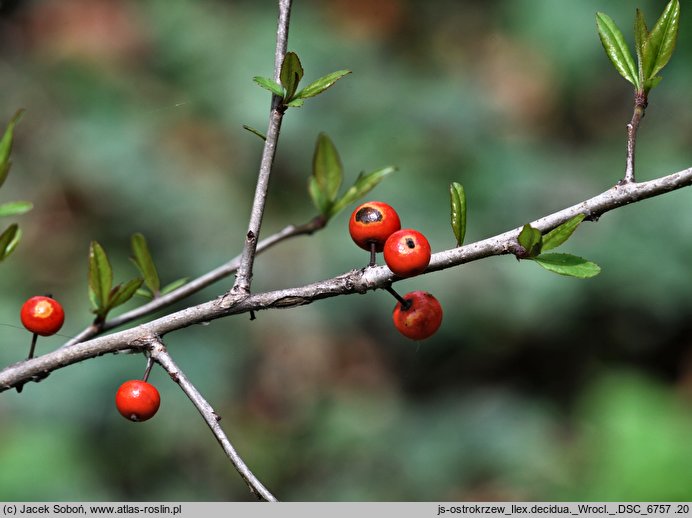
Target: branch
{"x":244,"y":275}
{"x":159,"y":354}
{"x":354,"y":281}
{"x":640,"y":103}
{"x":197,"y":284}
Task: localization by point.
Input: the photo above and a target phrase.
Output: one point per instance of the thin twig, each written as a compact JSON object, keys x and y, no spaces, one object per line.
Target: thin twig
{"x":640,"y":103}
{"x":160,"y":355}
{"x":354,"y":281}
{"x":244,"y":274}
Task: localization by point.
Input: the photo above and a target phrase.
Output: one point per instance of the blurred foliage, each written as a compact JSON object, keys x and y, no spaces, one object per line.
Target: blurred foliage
{"x":536,"y":386}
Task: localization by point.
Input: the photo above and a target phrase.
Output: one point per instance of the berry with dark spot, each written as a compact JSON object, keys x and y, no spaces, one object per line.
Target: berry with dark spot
{"x":372,"y":223}
{"x":407,"y":252}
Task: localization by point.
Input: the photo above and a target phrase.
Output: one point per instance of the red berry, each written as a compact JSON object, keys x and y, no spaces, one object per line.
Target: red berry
{"x":421,"y":319}
{"x":373,"y":222}
{"x":42,"y":315}
{"x":407,"y":252}
{"x":137,"y":400}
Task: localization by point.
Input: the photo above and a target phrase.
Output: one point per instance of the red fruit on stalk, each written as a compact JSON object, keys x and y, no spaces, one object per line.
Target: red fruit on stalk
{"x":372,"y":223}
{"x":42,"y":315}
{"x":407,"y":252}
{"x":137,"y":400}
{"x":421,"y":319}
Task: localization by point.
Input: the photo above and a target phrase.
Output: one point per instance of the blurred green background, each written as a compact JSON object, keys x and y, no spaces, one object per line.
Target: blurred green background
{"x":536,"y":387}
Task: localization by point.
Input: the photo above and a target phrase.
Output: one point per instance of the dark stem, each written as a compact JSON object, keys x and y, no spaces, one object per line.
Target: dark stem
{"x":640,"y":103}
{"x":373,"y":253}
{"x":147,"y":371}
{"x":33,"y":346}
{"x":405,"y":304}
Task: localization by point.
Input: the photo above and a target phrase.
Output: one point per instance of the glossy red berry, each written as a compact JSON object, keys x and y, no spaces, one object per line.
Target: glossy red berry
{"x":42,"y":315}
{"x":421,"y":319}
{"x":137,"y":400}
{"x":373,"y":222}
{"x":407,"y":252}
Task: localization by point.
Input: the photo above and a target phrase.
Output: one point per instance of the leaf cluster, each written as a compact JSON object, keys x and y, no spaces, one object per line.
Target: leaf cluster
{"x":290,"y":76}
{"x":104,"y":296}
{"x":653,"y":48}
{"x":533,"y":245}
{"x":10,"y":237}
{"x":328,"y":174}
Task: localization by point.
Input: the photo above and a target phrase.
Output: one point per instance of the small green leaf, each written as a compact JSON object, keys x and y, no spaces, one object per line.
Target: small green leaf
{"x":100,"y":279}
{"x":6,"y":146}
{"x":296,"y":103}
{"x":319,"y":86}
{"x":174,"y":285}
{"x":319,"y":200}
{"x":15,"y":208}
{"x":643,"y":49}
{"x":291,"y":74}
{"x":661,"y":40}
{"x":616,"y":49}
{"x":143,"y":292}
{"x":144,"y":262}
{"x":8,"y":240}
{"x":123,"y":292}
{"x":652,"y":83}
{"x":530,"y":240}
{"x":562,"y":233}
{"x":567,"y":264}
{"x":326,"y":167}
{"x":363,"y":185}
{"x":458,"y":211}
{"x":255,"y":131}
{"x":270,"y":85}
{"x":14,"y":242}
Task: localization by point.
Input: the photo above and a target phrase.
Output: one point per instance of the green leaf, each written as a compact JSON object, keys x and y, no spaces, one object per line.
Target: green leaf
{"x":123,"y":292}
{"x":641,"y":40}
{"x":458,"y":211}
{"x":291,"y":74}
{"x":144,"y":262}
{"x":143,"y":292}
{"x":13,"y":243}
{"x":616,"y":49}
{"x":15,"y":208}
{"x":255,"y":131}
{"x":270,"y":85}
{"x":174,"y":285}
{"x":8,"y":240}
{"x":6,"y":146}
{"x":652,"y":83}
{"x":567,"y":264}
{"x":326,"y":167}
{"x":562,"y":233}
{"x":661,"y":41}
{"x":530,"y":240}
{"x":319,"y":86}
{"x":365,"y":183}
{"x":296,"y":103}
{"x":100,"y":279}
{"x":319,"y":200}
